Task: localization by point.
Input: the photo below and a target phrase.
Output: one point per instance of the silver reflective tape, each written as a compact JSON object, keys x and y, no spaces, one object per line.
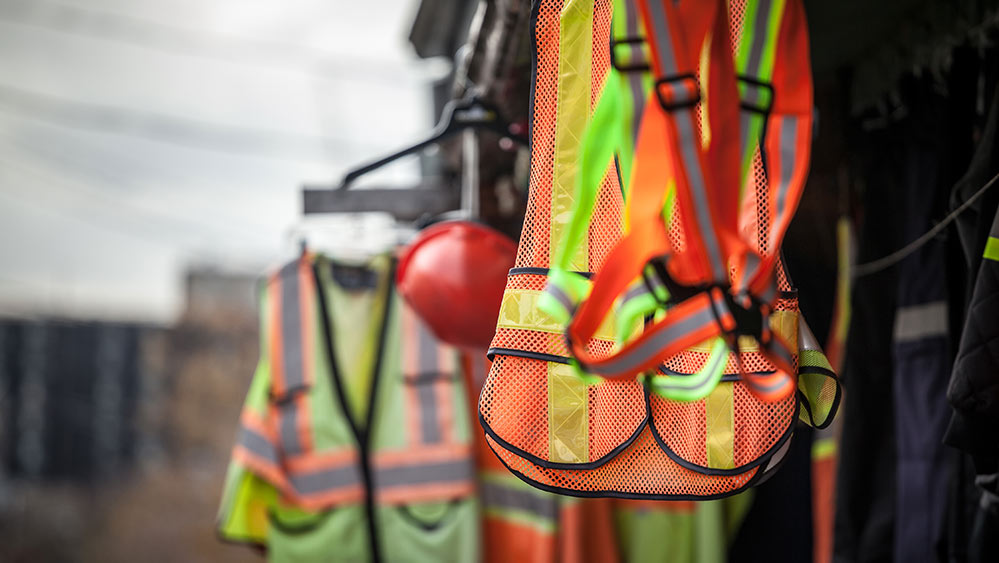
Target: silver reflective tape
{"x":688,"y":145}
{"x":325,"y":479}
{"x":288,"y":427}
{"x":995,"y":227}
{"x":423,"y":474}
{"x":630,"y":361}
{"x":788,"y":151}
{"x":426,"y":390}
{"x":429,"y":428}
{"x":635,"y":82}
{"x":759,"y":38}
{"x":257,"y":444}
{"x":663,"y":40}
{"x":753,"y":381}
{"x":562,"y":297}
{"x":637,"y":290}
{"x":291,"y":328}
{"x":917,"y":322}
{"x":538,"y":503}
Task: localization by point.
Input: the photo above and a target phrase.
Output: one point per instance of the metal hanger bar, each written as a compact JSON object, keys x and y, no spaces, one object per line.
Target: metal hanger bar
{"x":403,"y":204}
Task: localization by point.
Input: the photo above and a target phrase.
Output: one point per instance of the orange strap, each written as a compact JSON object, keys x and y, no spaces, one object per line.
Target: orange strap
{"x":707,"y":178}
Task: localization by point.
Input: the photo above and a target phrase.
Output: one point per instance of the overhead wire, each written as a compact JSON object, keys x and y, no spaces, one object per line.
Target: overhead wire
{"x":897,"y":256}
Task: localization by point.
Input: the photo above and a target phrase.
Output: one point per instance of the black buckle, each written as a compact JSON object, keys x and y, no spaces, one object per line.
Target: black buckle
{"x":756,"y":87}
{"x":631,"y":66}
{"x":667,"y":92}
{"x":748,"y":320}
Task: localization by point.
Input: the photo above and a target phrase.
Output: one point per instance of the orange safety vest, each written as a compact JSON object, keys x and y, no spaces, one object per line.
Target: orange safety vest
{"x":526,"y":525}
{"x":617,"y":438}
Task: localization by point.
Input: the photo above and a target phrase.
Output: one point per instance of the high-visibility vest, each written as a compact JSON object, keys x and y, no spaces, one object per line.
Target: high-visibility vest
{"x":523,"y":524}
{"x":354,"y":441}
{"x":553,"y":428}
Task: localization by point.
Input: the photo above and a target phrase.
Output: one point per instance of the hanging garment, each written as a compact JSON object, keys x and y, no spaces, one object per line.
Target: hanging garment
{"x":679,"y":531}
{"x":544,"y":421}
{"x":523,"y":524}
{"x":354,"y":440}
{"x":974,"y":385}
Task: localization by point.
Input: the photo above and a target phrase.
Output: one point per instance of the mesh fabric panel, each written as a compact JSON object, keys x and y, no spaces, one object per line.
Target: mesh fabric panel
{"x":643,"y":469}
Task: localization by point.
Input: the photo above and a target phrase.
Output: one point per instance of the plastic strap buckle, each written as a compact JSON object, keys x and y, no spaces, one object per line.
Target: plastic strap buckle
{"x":631,"y":65}
{"x":755,"y":95}
{"x":678,"y":91}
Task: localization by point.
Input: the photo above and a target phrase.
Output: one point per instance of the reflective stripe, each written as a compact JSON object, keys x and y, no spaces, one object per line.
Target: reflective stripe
{"x":562,"y":297}
{"x":695,"y":177}
{"x":426,"y":390}
{"x":695,"y":386}
{"x":719,"y":427}
{"x":631,"y":360}
{"x":519,"y":310}
{"x":291,"y":328}
{"x":423,"y":473}
{"x":917,"y":322}
{"x":288,"y":425}
{"x":257,"y":444}
{"x":325,"y":480}
{"x":759,"y":37}
{"x":662,"y":41}
{"x":636,"y":80}
{"x":568,"y":415}
{"x":496,"y":495}
{"x":788,"y":155}
{"x":573,"y":93}
{"x":991,"y":249}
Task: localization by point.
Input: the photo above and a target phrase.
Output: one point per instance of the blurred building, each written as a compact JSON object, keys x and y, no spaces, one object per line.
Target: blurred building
{"x":114,"y":436}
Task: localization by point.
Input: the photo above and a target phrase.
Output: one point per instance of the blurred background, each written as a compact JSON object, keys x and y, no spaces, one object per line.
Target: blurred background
{"x":152,"y":159}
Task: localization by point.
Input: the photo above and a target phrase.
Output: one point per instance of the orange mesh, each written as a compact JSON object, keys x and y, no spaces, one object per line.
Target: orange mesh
{"x":514,"y":404}
{"x":643,"y":469}
{"x":761,"y":424}
{"x":605,"y":227}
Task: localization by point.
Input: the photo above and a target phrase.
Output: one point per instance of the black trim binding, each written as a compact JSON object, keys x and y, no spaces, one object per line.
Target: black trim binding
{"x":406,"y":512}
{"x":533,"y":26}
{"x":571,"y":466}
{"x":709,"y":470}
{"x":493,"y":352}
{"x":726,"y":377}
{"x":362,"y":435}
{"x":540,"y":272}
{"x":836,"y":399}
{"x":752,"y":482}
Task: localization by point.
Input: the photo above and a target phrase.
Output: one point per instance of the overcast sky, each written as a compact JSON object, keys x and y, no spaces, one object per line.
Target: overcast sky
{"x":140,"y":136}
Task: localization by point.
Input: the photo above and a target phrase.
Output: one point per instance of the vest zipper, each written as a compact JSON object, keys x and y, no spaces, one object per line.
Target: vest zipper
{"x":361,"y":435}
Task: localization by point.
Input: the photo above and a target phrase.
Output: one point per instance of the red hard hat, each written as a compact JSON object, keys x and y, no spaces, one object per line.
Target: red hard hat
{"x":453,"y":275}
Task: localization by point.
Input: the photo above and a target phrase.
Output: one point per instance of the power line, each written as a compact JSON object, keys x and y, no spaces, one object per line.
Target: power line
{"x":262,"y":53}
{"x":890,"y":260}
{"x":171,"y":129}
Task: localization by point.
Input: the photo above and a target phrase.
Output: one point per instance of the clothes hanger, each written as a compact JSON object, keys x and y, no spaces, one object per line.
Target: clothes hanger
{"x":470,"y":112}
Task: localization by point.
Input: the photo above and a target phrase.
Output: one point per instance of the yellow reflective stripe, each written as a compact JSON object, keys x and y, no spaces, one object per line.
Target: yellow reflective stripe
{"x":571,"y":115}
{"x":719,"y":410}
{"x":823,"y":448}
{"x":519,"y":309}
{"x":992,"y":249}
{"x":568,"y":416}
